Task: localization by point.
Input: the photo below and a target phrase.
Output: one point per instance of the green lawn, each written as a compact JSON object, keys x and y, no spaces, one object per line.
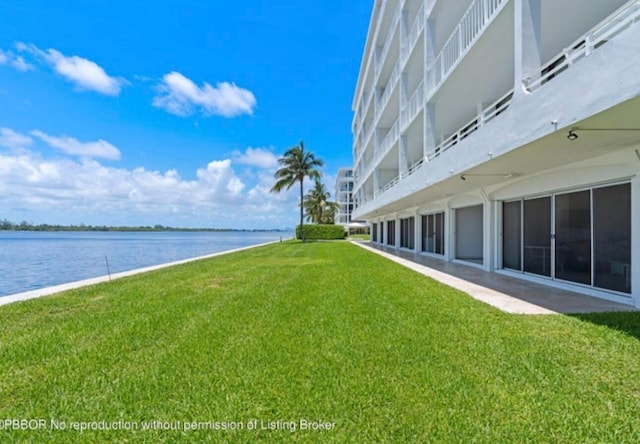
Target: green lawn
{"x":322,"y":332}
{"x":360,"y":236}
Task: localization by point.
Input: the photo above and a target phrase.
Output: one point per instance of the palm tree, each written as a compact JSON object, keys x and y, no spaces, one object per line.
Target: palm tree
{"x":295,"y":165}
{"x":317,"y":205}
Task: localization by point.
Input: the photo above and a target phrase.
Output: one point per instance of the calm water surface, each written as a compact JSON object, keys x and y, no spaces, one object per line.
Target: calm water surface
{"x":32,"y":260}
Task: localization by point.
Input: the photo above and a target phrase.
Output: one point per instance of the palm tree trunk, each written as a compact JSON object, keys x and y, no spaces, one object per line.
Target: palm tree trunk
{"x":301,"y":211}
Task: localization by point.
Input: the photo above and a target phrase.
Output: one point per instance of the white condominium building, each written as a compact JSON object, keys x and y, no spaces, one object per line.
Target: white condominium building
{"x":505,"y":135}
{"x":344,"y":196}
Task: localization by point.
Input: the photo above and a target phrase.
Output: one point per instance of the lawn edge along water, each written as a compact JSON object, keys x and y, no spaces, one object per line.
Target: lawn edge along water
{"x":323,"y":333}
{"x":54,"y":289}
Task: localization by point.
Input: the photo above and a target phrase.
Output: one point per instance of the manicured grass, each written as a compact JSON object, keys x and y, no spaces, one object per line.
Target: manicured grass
{"x":320,"y":332}
{"x":360,"y":236}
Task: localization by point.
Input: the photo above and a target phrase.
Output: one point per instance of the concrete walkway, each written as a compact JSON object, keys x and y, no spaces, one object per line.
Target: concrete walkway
{"x":4,"y":300}
{"x":506,"y":293}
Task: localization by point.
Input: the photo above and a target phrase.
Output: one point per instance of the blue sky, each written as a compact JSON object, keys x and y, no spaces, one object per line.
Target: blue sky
{"x":171,"y":112}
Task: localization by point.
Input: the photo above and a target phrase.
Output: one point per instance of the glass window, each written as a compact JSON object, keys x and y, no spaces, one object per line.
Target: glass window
{"x":612,"y":237}
{"x":433,"y":233}
{"x":512,"y":235}
{"x":573,"y":237}
{"x":537,"y":236}
{"x":391,"y":232}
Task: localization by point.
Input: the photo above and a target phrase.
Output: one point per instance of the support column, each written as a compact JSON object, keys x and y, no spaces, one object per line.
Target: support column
{"x":528,"y":52}
{"x":384,"y":234}
{"x":429,"y":142}
{"x":635,"y":241}
{"x":449,"y":232}
{"x":488,"y":250}
{"x":417,"y":232}
{"x":397,"y":226}
{"x":429,"y":57}
{"x":403,"y":156}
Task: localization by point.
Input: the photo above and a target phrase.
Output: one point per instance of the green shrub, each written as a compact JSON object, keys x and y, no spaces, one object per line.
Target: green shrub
{"x":316,"y":231}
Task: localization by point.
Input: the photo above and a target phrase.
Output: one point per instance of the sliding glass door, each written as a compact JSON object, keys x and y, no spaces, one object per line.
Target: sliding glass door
{"x":573,"y":237}
{"x":537,"y":236}
{"x":433,"y":233}
{"x":612,"y":237}
{"x":582,"y":237}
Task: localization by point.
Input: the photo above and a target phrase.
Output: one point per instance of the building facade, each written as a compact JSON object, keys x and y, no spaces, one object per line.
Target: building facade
{"x":505,"y":135}
{"x":344,"y":196}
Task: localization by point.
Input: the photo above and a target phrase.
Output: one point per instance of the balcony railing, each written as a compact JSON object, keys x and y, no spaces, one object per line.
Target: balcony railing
{"x":414,"y":33}
{"x":487,"y":114}
{"x":388,"y":142}
{"x":388,"y":89}
{"x":388,"y":39}
{"x":472,"y":24}
{"x":416,"y":102}
{"x":606,"y":30}
{"x":392,"y":183}
{"x":413,"y":168}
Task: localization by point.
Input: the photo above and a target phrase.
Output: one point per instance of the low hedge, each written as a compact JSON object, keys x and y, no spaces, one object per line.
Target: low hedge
{"x":315,"y":232}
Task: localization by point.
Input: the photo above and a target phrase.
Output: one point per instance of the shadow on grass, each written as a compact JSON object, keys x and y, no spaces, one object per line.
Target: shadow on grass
{"x":624,"y":321}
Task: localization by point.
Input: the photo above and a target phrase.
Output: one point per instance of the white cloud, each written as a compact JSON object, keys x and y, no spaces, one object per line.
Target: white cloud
{"x":13,"y":140}
{"x":18,"y":62}
{"x":21,"y":65}
{"x":70,"y":145}
{"x":68,"y":190}
{"x":84,"y":73}
{"x":258,"y":157}
{"x":179,"y":95}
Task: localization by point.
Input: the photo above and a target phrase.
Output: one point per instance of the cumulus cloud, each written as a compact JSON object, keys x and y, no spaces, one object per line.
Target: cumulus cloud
{"x":18,"y":62}
{"x":70,"y":145}
{"x":84,"y":73}
{"x":75,"y":190}
{"x":13,"y":140}
{"x":179,"y":95}
{"x":258,"y":157}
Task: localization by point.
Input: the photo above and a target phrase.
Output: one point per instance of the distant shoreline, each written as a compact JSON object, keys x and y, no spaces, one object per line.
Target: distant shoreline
{"x":156,"y":228}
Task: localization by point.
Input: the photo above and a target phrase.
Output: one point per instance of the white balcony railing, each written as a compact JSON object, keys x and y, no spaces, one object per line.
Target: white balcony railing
{"x":414,"y":33}
{"x":413,"y":168}
{"x":487,"y":114}
{"x":395,"y":20}
{"x":414,"y":106}
{"x":606,"y":30}
{"x":392,"y":183}
{"x":477,"y":17}
{"x":388,"y":141}
{"x":388,"y":89}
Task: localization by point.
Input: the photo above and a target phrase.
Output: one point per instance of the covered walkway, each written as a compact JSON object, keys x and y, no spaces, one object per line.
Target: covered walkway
{"x":506,"y":293}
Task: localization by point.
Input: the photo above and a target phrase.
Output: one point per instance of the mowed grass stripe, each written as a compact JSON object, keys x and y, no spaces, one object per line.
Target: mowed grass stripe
{"x":321,"y":331}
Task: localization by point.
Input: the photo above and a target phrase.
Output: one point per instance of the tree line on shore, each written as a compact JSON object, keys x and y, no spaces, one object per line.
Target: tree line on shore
{"x":6,"y":225}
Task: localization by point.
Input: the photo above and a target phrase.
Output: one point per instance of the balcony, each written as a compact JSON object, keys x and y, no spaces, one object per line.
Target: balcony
{"x":412,"y":37}
{"x":484,"y":117}
{"x":474,"y":21}
{"x":606,"y":30}
{"x":413,"y":108}
{"x":388,"y":89}
{"x":395,"y":20}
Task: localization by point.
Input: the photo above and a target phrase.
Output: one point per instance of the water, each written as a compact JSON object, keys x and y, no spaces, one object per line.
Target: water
{"x":32,"y":260}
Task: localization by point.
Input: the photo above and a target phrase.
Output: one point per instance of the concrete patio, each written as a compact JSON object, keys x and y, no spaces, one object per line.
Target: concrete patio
{"x":506,"y":293}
